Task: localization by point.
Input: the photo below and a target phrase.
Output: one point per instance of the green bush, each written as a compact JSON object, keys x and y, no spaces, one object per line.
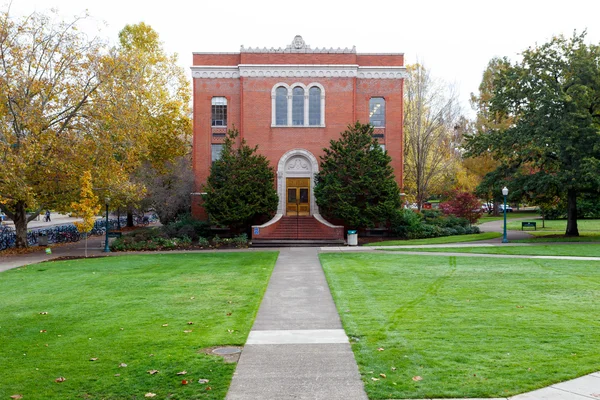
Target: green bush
{"x":203,"y":242}
{"x":186,"y":225}
{"x":408,"y":224}
{"x":240,"y":241}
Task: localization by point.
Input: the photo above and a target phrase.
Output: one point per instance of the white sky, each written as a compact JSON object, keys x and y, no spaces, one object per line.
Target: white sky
{"x":454,"y":39}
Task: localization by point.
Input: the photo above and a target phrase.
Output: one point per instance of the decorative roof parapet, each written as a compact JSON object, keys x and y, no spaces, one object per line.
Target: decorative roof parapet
{"x":298,"y":46}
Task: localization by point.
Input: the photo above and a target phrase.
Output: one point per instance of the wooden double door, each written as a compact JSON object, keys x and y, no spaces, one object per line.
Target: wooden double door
{"x":298,"y":196}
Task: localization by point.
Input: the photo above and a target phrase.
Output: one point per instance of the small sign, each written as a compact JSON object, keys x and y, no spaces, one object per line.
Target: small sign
{"x":256,"y":231}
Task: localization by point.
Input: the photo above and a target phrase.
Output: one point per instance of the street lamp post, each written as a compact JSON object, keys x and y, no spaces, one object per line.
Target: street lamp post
{"x":504,"y":193}
{"x":106,"y":249}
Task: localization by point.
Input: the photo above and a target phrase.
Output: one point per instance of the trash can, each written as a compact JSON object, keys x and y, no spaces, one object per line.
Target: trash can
{"x":42,"y":239}
{"x":352,"y":238}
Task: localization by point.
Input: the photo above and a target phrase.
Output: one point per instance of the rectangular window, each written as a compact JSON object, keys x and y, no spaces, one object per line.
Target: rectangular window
{"x":219,"y":111}
{"x":377,"y":112}
{"x":216,"y":150}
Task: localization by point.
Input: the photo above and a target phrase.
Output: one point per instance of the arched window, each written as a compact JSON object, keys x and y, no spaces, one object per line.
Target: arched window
{"x":377,"y":111}
{"x":298,"y":106}
{"x":314,"y":106}
{"x":281,"y":106}
{"x":219,"y":111}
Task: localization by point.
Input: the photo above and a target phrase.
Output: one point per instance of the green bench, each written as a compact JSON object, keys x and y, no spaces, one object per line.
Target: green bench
{"x":113,"y":234}
{"x":526,"y":224}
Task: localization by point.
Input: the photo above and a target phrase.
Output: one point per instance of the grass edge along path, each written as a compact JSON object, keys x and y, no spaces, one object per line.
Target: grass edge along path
{"x":574,"y":250}
{"x":104,"y":324}
{"x":439,"y":240}
{"x":455,"y":327}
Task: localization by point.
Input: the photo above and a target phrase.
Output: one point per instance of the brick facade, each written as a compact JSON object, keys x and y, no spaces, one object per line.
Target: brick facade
{"x":247,"y":80}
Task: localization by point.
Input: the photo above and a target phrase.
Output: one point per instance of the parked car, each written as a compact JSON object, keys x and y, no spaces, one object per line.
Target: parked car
{"x":485,"y":208}
{"x":508,"y":208}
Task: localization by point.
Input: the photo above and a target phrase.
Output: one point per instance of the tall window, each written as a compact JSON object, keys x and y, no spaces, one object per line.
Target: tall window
{"x":216,"y":150}
{"x":298,"y":106}
{"x":377,"y":111}
{"x":314,"y":106}
{"x":281,"y":106}
{"x":219,"y":111}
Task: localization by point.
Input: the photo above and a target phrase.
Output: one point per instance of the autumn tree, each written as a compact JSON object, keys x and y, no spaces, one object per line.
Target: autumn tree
{"x":431,"y":113}
{"x":240,"y":188}
{"x":87,"y":207}
{"x":551,"y":147}
{"x":464,"y":205}
{"x":148,"y":100}
{"x":355,"y":182}
{"x":70,"y":104}
{"x":49,"y":72}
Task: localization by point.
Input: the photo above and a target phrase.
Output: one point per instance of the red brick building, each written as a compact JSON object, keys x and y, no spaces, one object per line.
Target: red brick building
{"x":291,"y":102}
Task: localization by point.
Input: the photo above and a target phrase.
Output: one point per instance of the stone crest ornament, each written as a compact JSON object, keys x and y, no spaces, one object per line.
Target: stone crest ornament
{"x":297,"y":164}
{"x":298,"y":42}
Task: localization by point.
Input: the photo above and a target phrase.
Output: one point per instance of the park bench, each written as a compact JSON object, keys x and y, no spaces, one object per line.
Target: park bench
{"x":114,"y":234}
{"x":526,"y":224}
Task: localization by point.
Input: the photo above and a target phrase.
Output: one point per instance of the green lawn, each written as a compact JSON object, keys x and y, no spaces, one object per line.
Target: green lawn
{"x":578,"y":250}
{"x":457,"y":327}
{"x":129,"y":309}
{"x":439,"y":240}
{"x":590,"y":226}
{"x":509,"y":216}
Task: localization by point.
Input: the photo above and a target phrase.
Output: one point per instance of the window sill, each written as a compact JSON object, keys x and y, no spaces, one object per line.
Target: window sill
{"x":297,"y":126}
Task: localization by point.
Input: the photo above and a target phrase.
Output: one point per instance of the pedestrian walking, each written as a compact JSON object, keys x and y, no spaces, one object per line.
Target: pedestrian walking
{"x":47,"y":217}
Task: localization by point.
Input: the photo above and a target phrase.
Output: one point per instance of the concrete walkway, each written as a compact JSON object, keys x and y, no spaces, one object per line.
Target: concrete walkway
{"x":297,"y":348}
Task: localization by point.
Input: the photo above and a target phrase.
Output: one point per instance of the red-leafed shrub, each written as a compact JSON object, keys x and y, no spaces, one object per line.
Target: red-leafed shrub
{"x":463,"y":205}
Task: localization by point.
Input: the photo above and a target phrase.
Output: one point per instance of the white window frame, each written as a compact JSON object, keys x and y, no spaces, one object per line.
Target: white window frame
{"x":289,"y":105}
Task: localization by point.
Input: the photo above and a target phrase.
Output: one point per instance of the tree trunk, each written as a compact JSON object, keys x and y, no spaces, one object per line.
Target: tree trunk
{"x":572,"y":213}
{"x":496,"y":211}
{"x":129,"y":218}
{"x":20,"y":220}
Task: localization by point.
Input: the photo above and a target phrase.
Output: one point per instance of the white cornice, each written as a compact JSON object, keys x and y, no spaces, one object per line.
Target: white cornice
{"x":297,"y":71}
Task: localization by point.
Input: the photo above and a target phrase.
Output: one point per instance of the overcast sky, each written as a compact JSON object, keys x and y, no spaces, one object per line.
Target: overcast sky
{"x":454,"y":39}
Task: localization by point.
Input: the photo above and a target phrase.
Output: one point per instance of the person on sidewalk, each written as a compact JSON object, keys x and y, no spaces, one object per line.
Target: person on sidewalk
{"x":47,"y":217}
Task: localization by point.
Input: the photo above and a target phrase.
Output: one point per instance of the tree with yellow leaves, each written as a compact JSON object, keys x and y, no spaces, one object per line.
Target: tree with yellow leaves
{"x":87,"y":208}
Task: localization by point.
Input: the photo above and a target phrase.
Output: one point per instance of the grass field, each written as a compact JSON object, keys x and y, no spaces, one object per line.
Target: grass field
{"x":55,"y":318}
{"x":575,"y":249}
{"x":511,"y":215}
{"x":439,"y":240}
{"x":437,"y":327}
{"x":589,"y":226}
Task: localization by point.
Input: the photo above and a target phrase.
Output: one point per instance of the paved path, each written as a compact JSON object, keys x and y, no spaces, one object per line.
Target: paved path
{"x":297,"y":348}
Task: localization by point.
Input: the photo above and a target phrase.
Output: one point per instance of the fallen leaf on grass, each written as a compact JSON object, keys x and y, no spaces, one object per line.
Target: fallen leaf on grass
{"x":60,"y":379}
{"x":192,"y":298}
{"x":184,"y":382}
{"x":43,"y":331}
{"x":208,"y":388}
{"x":93,"y":359}
{"x":228,"y":314}
{"x":375,"y":379}
{"x":122,"y":365}
{"x":393,"y":368}
{"x":417,"y":378}
{"x":520,"y":306}
{"x":203,"y":381}
{"x":165,"y":324}
{"x":150,"y":395}
{"x":188,"y":331}
{"x":383,"y":375}
{"x":117,"y":374}
{"x":153,"y":371}
{"x":182,"y":373}
{"x":190,"y":323}
{"x":16,"y":396}
{"x":230,"y":330}
{"x":44,"y":313}
{"x":380,"y":349}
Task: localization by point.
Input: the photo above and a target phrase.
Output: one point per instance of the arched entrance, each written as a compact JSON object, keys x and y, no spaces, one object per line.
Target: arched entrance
{"x":295,"y":183}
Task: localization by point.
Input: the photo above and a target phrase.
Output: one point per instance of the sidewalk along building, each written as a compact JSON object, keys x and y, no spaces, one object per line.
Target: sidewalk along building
{"x":291,"y":102}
